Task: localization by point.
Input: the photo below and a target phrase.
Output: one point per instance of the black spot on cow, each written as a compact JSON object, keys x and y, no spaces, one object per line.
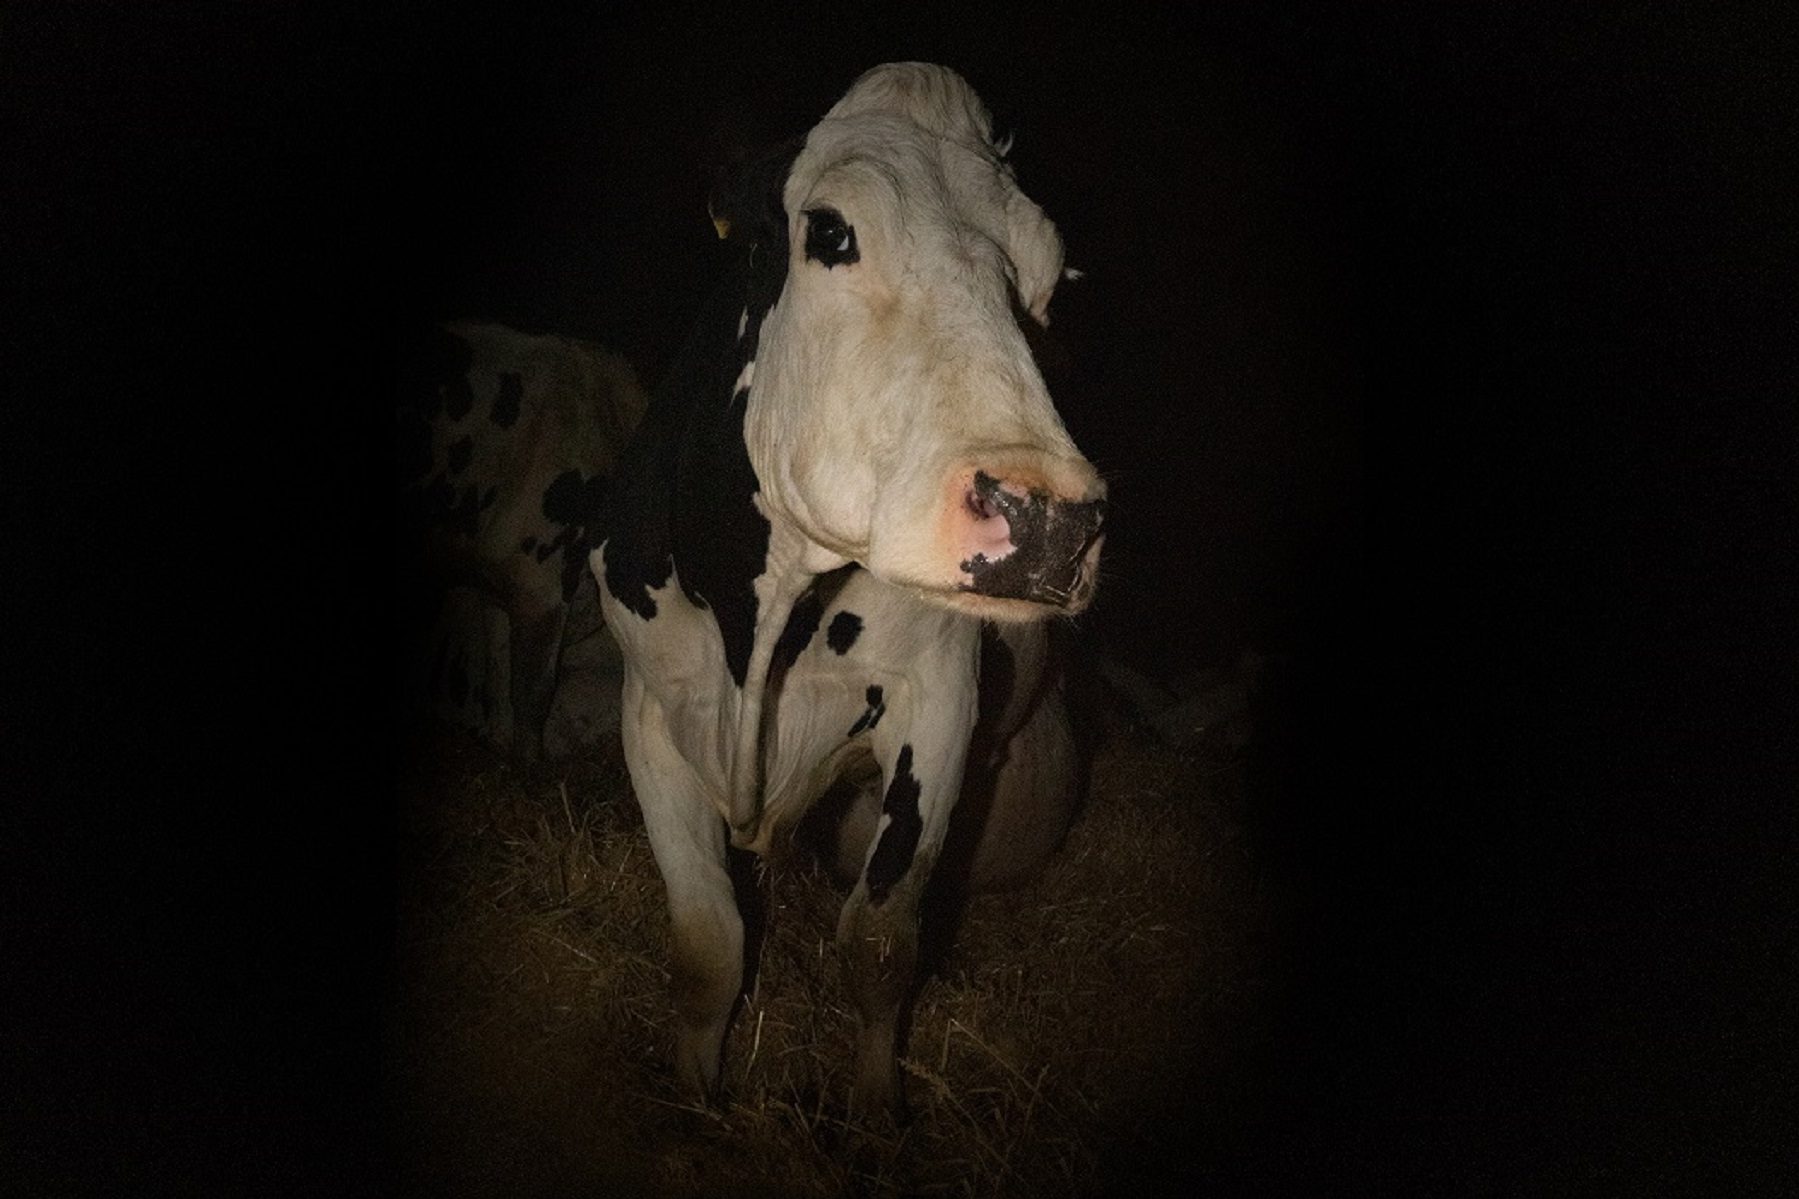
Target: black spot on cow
{"x":562,"y":498}
{"x":595,"y":491}
{"x":845,"y":627}
{"x":461,"y":450}
{"x":802,"y":623}
{"x":685,"y":499}
{"x":877,"y":708}
{"x":528,"y":544}
{"x":631,"y":574}
{"x":578,"y":504}
{"x":808,"y":610}
{"x":720,"y":540}
{"x":999,"y":672}
{"x":506,"y":401}
{"x":636,"y":526}
{"x":893,"y":856}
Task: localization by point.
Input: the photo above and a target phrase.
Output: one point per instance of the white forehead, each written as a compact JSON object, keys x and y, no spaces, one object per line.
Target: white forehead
{"x":911,"y":145}
{"x":934,"y":98}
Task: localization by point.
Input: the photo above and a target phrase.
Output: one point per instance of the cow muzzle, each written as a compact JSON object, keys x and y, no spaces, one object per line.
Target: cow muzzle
{"x":1025,"y":543}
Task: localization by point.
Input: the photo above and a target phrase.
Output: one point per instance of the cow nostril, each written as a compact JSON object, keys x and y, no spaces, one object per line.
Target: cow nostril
{"x":980,"y":505}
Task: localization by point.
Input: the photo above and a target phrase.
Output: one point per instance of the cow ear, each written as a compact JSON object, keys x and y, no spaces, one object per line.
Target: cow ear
{"x":1036,"y":251}
{"x":745,"y":197}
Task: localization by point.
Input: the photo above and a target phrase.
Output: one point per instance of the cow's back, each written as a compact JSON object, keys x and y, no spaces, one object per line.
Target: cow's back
{"x":522,"y":436}
{"x":508,"y":443}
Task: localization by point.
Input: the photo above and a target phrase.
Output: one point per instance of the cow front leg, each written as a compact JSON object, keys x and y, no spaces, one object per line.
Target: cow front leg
{"x":706,"y":970}
{"x":877,"y":933}
{"x":687,"y":837}
{"x":878,"y":943}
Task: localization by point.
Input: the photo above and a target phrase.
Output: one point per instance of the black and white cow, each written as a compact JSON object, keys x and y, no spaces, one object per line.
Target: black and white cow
{"x":508,"y":442}
{"x":843,"y":520}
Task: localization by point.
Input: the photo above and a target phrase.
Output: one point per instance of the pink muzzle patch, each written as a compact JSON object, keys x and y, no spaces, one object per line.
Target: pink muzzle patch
{"x":989,"y":534}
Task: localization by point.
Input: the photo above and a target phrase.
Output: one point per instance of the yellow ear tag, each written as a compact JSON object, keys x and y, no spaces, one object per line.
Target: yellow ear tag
{"x":722,"y":225}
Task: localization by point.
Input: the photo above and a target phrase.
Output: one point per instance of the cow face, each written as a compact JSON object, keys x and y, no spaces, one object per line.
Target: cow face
{"x":895,"y":414}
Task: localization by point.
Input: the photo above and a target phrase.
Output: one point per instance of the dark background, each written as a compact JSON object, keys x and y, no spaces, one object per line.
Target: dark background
{"x":1443,"y":358}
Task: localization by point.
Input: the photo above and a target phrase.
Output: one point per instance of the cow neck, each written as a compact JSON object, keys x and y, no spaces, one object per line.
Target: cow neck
{"x":785,"y":572}
{"x":746,"y":569}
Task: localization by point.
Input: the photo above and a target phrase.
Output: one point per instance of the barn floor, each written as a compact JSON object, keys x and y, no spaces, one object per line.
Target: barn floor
{"x":1063,"y":1028}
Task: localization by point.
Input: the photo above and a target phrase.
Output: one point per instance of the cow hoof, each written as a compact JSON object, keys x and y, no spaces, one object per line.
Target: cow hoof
{"x":878,"y":1099}
{"x":697,"y":1065}
{"x":880,"y":1112}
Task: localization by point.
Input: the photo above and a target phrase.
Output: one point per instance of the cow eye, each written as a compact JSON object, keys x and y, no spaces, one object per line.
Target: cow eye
{"x":828,"y":239}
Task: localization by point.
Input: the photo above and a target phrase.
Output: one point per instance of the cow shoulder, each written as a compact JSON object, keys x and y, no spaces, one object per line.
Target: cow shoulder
{"x":685,"y":501}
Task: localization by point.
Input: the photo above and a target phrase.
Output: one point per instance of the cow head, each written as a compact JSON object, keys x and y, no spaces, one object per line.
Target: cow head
{"x":895,"y":416}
